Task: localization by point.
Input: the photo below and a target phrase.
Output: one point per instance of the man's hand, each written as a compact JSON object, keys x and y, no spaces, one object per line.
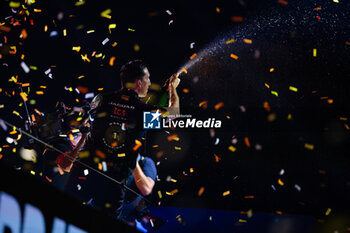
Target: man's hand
{"x":64,"y":162}
{"x":172,"y":82}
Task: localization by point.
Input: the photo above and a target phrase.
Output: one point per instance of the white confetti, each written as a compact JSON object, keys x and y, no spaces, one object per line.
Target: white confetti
{"x":86,"y":172}
{"x":169,"y":13}
{"x":171,"y":21}
{"x":48,"y":71}
{"x":50,"y":76}
{"x":281,"y":172}
{"x":242,"y":108}
{"x":217,"y":141}
{"x":3,"y":125}
{"x":104,"y":166}
{"x":79,"y":186}
{"x":105,"y":41}
{"x":77,"y":90}
{"x":53,"y":33}
{"x":192,"y":45}
{"x":25,"y":67}
{"x":258,"y":147}
{"x":273,"y":187}
{"x":210,"y":218}
{"x":89,"y":95}
{"x":234,"y":141}
{"x":9,"y":140}
{"x":297,"y":187}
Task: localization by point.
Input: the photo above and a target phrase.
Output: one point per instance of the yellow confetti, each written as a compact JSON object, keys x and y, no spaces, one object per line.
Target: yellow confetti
{"x":121,"y":155}
{"x":160,"y":194}
{"x":226,"y":193}
{"x":309,"y":146}
{"x":173,"y":180}
{"x":45,"y":28}
{"x":289,"y":116}
{"x":217,"y":9}
{"x":90,"y":31}
{"x":114,"y":44}
{"x":111,"y":26}
{"x":136,"y":47}
{"x":315,"y":52}
{"x":173,"y":137}
{"x":347,"y":126}
{"x":15,"y":4}
{"x":76,"y":48}
{"x":328,"y":211}
{"x":32,"y":172}
{"x":84,"y":154}
{"x":79,"y":3}
{"x":105,"y":13}
{"x":343,"y":118}
{"x":241,"y":220}
{"x":274,"y":93}
{"x":191,"y":170}
{"x":272,"y":69}
{"x":232,"y":148}
{"x":293,"y":89}
{"x":81,"y":76}
{"x":233,"y":56}
{"x":16,"y":113}
{"x":280,"y":182}
{"x":131,"y":30}
{"x":64,"y":32}
{"x":230,"y":41}
{"x":177,"y":148}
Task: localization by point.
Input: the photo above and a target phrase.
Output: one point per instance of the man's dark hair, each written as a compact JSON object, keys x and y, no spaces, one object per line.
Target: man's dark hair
{"x":132,"y":71}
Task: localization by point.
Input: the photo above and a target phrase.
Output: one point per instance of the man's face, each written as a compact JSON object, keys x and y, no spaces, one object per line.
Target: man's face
{"x":145,"y":83}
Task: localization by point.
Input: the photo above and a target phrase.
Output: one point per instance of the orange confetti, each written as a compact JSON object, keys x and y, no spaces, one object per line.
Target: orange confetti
{"x":280,"y":182}
{"x":24,"y":97}
{"x":100,"y":166}
{"x":1,"y":156}
{"x":5,"y":28}
{"x":185,"y":90}
{"x":247,"y":41}
{"x":272,"y":70}
{"x":24,"y":34}
{"x":246,"y":140}
{"x":159,"y":154}
{"x":111,"y":61}
{"x":249,"y":197}
{"x":174,"y":191}
{"x":48,"y":179}
{"x":267,"y":106}
{"x":193,"y":56}
{"x":39,"y":92}
{"x":25,"y":84}
{"x":155,"y":146}
{"x":279,"y":212}
{"x":233,"y":56}
{"x":184,"y":70}
{"x":114,"y":144}
{"x":82,"y":89}
{"x":203,"y":104}
{"x":219,"y":105}
{"x":173,"y":137}
{"x":200,"y":191}
{"x":317,"y":8}
{"x":267,"y":85}
{"x":217,"y":158}
{"x":237,"y":18}
{"x":137,"y":146}
{"x":347,"y":42}
{"x":330,"y":101}
{"x":283,"y":2}
{"x":100,"y":154}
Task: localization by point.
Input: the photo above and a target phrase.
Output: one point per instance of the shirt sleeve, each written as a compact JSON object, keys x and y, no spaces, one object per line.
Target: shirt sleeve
{"x":149,"y":168}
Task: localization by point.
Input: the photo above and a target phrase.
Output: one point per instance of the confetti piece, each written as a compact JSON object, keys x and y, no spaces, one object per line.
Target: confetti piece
{"x":90,"y":31}
{"x":64,"y":32}
{"x":271,"y":70}
{"x":185,"y":90}
{"x":247,"y":41}
{"x":137,"y":146}
{"x":249,"y":197}
{"x":309,"y":146}
{"x":53,"y":33}
{"x":279,"y":212}
{"x":79,"y":3}
{"x":48,"y":179}
{"x":173,"y":180}
{"x":105,"y":41}
{"x":226,"y":193}
{"x":217,"y":158}
{"x":168,"y":12}
{"x":233,"y":56}
{"x":237,"y":18}
{"x":114,"y":44}
{"x":105,"y":13}
{"x":111,"y":61}
{"x":336,"y":1}
{"x":246,"y":140}
{"x":184,"y":70}
{"x":100,"y":154}
{"x":280,"y":182}
{"x":217,"y":9}
{"x":274,"y":93}
{"x":314,"y":52}
{"x":121,"y":155}
{"x":159,"y":194}
{"x":232,"y":148}
{"x":111,"y":26}
{"x":191,"y":170}
{"x":24,"y":96}
{"x":330,"y":101}
{"x":76,"y":48}
{"x":293,"y":89}
{"x":230,"y":41}
{"x":267,"y":106}
{"x":24,"y":34}
{"x":241,"y":220}
{"x":171,"y":21}
{"x":193,"y":56}
{"x":177,"y":148}
{"x":297,"y":187}
{"x":192,"y":45}
{"x":131,"y":30}
{"x":172,"y":192}
{"x":14,"y":4}
{"x":282,"y":172}
{"x":283,"y":2}
{"x":203,"y":104}
{"x":173,"y":137}
{"x":328,"y":211}
{"x":201,"y":191}
{"x":219,"y":105}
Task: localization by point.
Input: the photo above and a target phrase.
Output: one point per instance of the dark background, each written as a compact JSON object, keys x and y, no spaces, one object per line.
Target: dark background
{"x":283,"y":35}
